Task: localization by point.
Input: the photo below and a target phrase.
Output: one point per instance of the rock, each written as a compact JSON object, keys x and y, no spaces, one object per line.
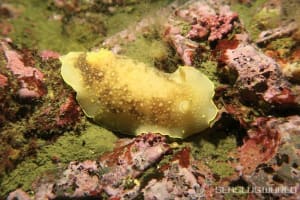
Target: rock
{"x":30,"y":78}
{"x":264,"y":139}
{"x":270,"y":157}
{"x":18,"y":195}
{"x":258,"y":76}
{"x":114,"y":173}
{"x":47,"y":54}
{"x":284,"y":30}
{"x":201,"y":22}
{"x":69,"y":112}
{"x":3,"y":81}
{"x":181,"y":180}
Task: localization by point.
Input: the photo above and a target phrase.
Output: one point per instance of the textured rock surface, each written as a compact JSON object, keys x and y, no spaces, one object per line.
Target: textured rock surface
{"x":264,"y":139}
{"x":182,"y":179}
{"x":18,"y":194}
{"x":272,"y":34}
{"x":259,"y":77}
{"x":197,"y":21}
{"x":34,"y":103}
{"x":253,"y":146}
{"x":270,"y":156}
{"x":114,"y":173}
{"x":30,"y":79}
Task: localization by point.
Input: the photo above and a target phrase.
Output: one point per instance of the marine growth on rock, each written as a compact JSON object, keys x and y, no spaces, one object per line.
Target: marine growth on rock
{"x":249,"y":49}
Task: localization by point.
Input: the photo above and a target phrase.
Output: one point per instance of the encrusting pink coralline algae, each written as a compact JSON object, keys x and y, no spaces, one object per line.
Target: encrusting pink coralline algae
{"x":114,"y":173}
{"x":30,"y":78}
{"x":268,"y":152}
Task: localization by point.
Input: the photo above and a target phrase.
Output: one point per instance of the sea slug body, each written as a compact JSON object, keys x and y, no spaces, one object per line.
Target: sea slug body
{"x":131,"y":97}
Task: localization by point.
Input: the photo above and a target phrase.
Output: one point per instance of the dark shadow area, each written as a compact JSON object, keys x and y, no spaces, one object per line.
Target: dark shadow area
{"x":224,"y":127}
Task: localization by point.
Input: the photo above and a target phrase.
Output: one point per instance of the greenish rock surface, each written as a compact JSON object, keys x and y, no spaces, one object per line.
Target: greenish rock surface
{"x":247,"y":15}
{"x":42,"y":26}
{"x":90,"y":144}
{"x":216,"y":150}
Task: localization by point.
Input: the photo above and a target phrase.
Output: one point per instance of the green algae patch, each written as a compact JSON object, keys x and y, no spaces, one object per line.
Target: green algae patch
{"x":239,"y":193}
{"x":209,"y":68}
{"x":36,"y":27}
{"x":214,"y":149}
{"x":150,"y":48}
{"x":90,"y":144}
{"x":184,"y":27}
{"x":247,"y":13}
{"x":147,"y":50}
{"x":291,"y":10}
{"x":125,"y":16}
{"x":282,"y":45}
{"x":43,"y":26}
{"x":267,"y":18}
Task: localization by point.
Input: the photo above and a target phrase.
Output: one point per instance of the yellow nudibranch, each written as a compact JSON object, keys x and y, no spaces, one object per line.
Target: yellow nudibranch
{"x":131,"y":97}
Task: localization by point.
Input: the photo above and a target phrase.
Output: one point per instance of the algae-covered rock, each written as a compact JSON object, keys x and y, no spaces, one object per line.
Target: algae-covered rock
{"x":132,"y":97}
{"x":90,"y":144}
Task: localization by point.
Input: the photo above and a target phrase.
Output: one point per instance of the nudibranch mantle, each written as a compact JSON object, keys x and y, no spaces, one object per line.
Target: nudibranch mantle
{"x":131,"y":97}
